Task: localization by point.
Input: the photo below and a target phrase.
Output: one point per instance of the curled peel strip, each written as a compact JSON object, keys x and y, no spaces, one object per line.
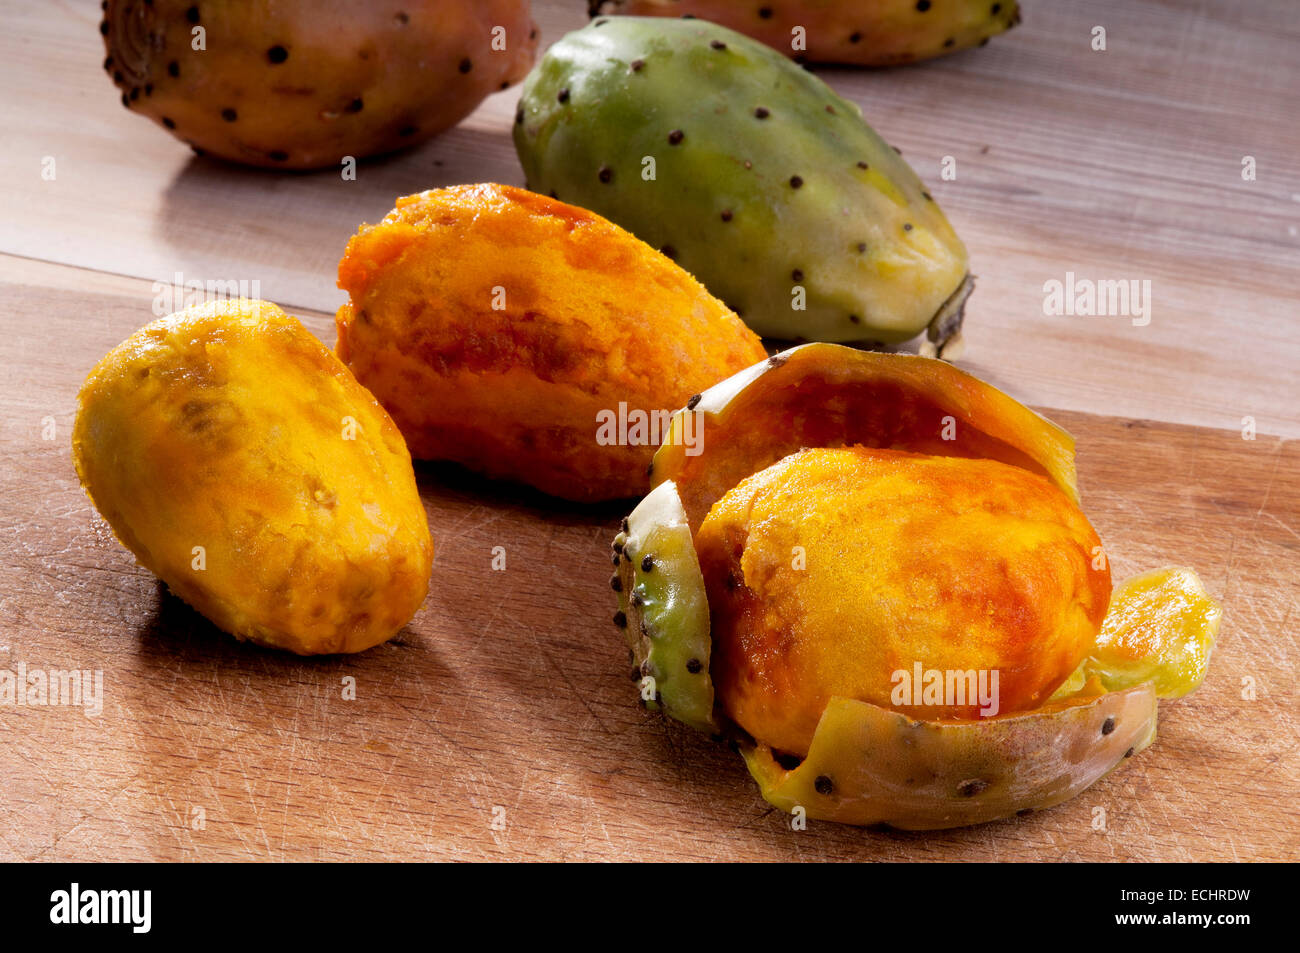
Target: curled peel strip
{"x":829,"y":395}
{"x":663,"y":602}
{"x":870,"y":765}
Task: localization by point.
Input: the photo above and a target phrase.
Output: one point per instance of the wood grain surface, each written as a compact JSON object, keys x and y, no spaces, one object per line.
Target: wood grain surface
{"x":500,"y":724}
{"x":509,"y":689}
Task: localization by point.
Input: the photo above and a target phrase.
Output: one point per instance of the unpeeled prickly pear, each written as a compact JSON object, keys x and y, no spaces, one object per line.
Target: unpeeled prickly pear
{"x":874,"y":33}
{"x":750,"y":172}
{"x":300,"y":84}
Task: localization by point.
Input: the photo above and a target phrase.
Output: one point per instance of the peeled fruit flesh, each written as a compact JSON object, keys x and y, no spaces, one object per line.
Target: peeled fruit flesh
{"x":832,"y":569}
{"x":1160,"y":629}
{"x":302,"y":84}
{"x":242,"y":464}
{"x":528,"y":339}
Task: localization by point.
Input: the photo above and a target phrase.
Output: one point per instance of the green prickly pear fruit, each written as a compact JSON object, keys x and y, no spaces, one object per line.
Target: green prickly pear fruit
{"x":303,"y":84}
{"x":750,"y":172}
{"x":875,"y":33}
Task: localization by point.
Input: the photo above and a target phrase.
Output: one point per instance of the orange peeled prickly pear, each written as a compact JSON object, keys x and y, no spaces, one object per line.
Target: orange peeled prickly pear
{"x":833,"y":569}
{"x":243,"y":465}
{"x":528,"y":339}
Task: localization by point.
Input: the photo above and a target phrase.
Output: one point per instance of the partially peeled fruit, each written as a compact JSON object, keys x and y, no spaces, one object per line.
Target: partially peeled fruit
{"x":854,"y":515}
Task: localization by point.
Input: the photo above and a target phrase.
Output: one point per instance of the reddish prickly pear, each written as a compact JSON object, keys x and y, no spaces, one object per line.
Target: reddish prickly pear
{"x":300,"y":84}
{"x":871,"y":33}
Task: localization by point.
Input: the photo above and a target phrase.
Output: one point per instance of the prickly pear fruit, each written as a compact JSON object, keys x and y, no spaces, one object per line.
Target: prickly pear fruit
{"x":874,"y":33}
{"x":869,"y":764}
{"x":300,"y":84}
{"x":920,"y":486}
{"x":802,"y":614}
{"x":529,"y":339}
{"x":242,"y":464}
{"x":748,"y":171}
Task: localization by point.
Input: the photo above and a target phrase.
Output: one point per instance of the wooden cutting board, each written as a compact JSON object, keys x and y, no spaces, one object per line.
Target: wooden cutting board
{"x":506,"y":699}
{"x":501,"y":722}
